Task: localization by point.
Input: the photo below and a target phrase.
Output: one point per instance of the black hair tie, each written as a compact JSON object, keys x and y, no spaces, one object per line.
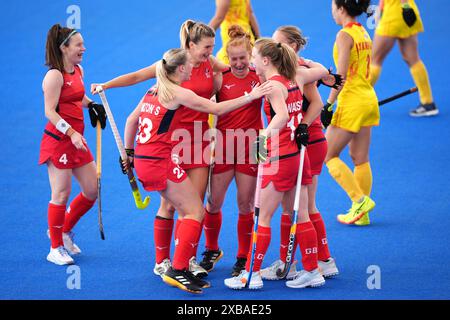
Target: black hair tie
{"x":164,"y":61}
{"x":279,"y":45}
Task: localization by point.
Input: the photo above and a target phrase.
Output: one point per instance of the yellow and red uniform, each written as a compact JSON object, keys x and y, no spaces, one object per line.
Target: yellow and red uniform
{"x":357,"y":104}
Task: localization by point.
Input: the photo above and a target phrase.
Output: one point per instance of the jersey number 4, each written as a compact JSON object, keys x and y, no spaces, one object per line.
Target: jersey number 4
{"x":63,"y":159}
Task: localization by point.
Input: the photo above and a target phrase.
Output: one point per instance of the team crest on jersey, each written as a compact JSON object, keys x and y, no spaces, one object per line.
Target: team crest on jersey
{"x":292,"y":84}
{"x":207,"y":73}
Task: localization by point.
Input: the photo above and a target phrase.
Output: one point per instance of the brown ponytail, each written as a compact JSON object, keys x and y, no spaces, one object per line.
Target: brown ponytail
{"x":56,"y":37}
{"x":281,"y":56}
{"x":293,"y":35}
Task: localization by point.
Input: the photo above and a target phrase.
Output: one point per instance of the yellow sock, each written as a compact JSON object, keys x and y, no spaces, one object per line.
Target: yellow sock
{"x":375,"y":72}
{"x":344,"y":177}
{"x":363,"y":176}
{"x":420,"y":76}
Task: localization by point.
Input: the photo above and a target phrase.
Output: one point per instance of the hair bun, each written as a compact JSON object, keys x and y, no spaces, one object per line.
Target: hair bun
{"x":236,"y":31}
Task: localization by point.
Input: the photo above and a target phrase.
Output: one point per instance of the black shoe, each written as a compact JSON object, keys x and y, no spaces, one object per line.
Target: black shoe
{"x":198,"y":281}
{"x":238,"y":266}
{"x":210,"y":258}
{"x":182,"y":280}
{"x":425,"y":110}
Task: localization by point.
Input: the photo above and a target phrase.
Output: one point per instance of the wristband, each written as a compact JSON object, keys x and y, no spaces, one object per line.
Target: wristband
{"x":248,"y":96}
{"x":62,"y":126}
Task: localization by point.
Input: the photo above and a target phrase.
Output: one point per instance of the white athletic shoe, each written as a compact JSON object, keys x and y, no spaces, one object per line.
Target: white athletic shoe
{"x":239,"y":281}
{"x":270,"y":273}
{"x":70,"y":246}
{"x":328,"y":268}
{"x":161,"y":268}
{"x":196,"y":269}
{"x":305,"y":279}
{"x":59,"y":256}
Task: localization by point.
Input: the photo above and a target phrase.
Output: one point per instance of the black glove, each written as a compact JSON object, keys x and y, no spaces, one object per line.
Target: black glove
{"x":333,"y":80}
{"x":97,"y":112}
{"x":130,"y":154}
{"x":301,"y":135}
{"x":409,"y":15}
{"x":327,"y":114}
{"x":260,"y":151}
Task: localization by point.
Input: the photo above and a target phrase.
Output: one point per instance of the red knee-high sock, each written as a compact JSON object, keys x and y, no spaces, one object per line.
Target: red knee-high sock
{"x":244,"y":228}
{"x":284,"y":235}
{"x":162,"y":237}
{"x":56,"y":216}
{"x":194,"y":249}
{"x":285,"y":231}
{"x":177,"y":227}
{"x":262,"y":244}
{"x":77,"y":208}
{"x":322,"y":242}
{"x":307,"y":239}
{"x":212,"y":225}
{"x":187,"y":237}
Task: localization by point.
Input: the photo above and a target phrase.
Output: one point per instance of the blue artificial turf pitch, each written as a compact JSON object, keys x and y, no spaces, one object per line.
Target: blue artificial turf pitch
{"x":408,"y":240}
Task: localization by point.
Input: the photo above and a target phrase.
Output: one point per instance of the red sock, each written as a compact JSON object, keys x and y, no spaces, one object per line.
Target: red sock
{"x":307,"y":239}
{"x":322,"y":242}
{"x":195,"y":248}
{"x":284,"y":235}
{"x":162,"y":236}
{"x":187,"y":237}
{"x":77,"y":208}
{"x":56,"y":216}
{"x":245,"y":229}
{"x":212,"y":224}
{"x":177,"y":226}
{"x":262,"y":244}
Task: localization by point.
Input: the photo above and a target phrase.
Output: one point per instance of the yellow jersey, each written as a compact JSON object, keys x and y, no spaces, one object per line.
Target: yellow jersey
{"x":391,"y":23}
{"x":238,"y":13}
{"x":357,"y":102}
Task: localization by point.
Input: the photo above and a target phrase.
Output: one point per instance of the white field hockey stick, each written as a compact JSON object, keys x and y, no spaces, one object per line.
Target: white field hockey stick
{"x":281,"y":273}
{"x":99,"y":174}
{"x":212,"y":157}
{"x":134,"y":187}
{"x":255,"y":223}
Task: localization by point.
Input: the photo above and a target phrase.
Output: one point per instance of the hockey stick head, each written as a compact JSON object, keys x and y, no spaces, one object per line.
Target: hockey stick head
{"x":138,"y":200}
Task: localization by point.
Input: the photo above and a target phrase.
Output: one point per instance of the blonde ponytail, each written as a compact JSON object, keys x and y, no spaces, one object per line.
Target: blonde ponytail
{"x":165,"y":68}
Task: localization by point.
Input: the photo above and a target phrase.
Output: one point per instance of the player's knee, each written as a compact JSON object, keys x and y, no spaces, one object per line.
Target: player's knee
{"x":60,"y":197}
{"x":359,"y":158}
{"x":245,"y":205}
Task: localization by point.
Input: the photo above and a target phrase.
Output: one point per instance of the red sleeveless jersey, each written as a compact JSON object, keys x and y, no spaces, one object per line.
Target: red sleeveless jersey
{"x":156,"y":124}
{"x":248,"y":116}
{"x":202,"y":83}
{"x":284,"y":144}
{"x":70,"y":103}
